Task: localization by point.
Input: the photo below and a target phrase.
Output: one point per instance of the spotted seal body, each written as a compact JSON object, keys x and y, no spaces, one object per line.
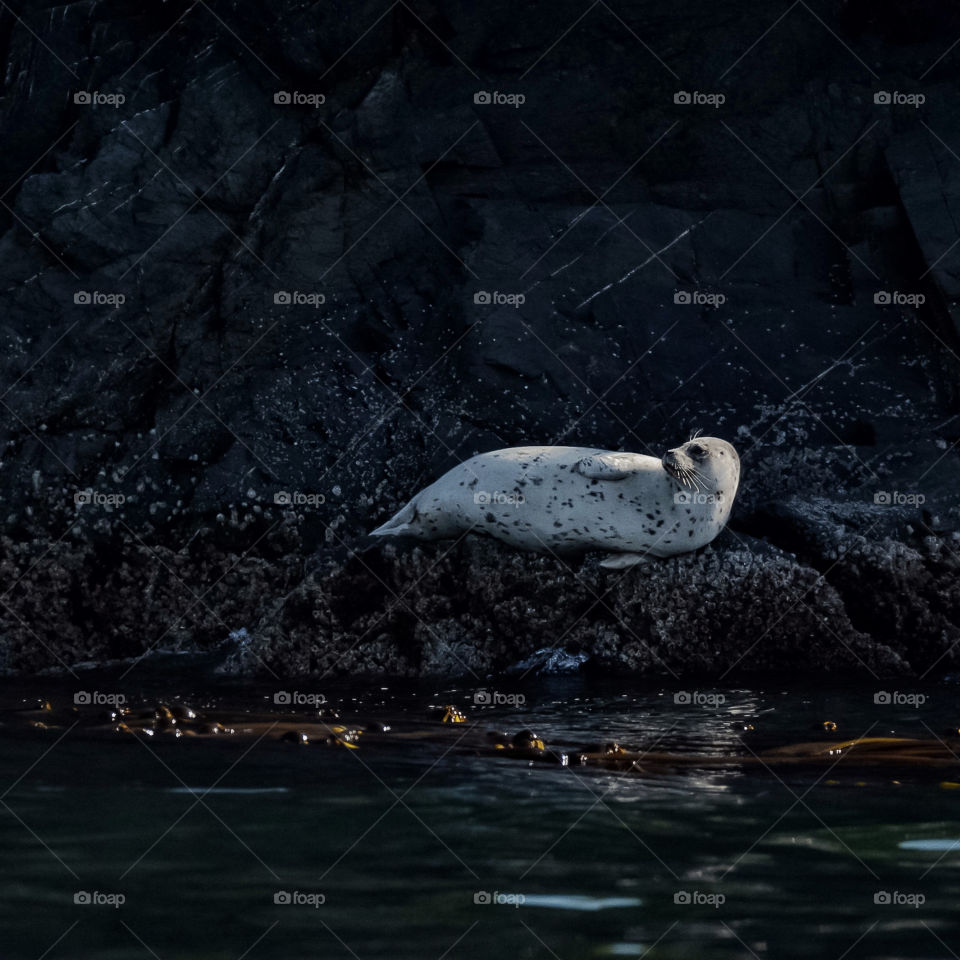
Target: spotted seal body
{"x":568,"y":499}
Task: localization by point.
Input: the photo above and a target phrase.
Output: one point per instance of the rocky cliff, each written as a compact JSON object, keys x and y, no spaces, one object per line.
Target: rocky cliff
{"x":269,"y":268}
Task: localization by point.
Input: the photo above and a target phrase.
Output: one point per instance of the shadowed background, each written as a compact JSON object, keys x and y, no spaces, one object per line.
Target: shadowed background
{"x":502,"y":224}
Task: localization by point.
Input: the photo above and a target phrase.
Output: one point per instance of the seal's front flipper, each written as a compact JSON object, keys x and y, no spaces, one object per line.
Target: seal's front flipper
{"x":620,"y":561}
{"x":608,"y":466}
{"x":399,"y":524}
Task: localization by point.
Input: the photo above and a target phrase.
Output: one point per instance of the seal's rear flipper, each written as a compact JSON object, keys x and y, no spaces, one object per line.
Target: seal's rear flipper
{"x":620,"y":561}
{"x":399,"y":524}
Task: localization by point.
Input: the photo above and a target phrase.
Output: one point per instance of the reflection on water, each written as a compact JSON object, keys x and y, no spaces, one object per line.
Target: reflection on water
{"x":933,"y":843}
{"x":213,"y":791}
{"x":222,"y":849}
{"x":573,"y":902}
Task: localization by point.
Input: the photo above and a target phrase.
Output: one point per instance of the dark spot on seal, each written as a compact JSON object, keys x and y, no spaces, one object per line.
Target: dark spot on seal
{"x":557,"y":523}
{"x":490,"y":518}
{"x":659,"y":523}
{"x":473,"y":482}
{"x":536,"y":481}
{"x":649,"y":516}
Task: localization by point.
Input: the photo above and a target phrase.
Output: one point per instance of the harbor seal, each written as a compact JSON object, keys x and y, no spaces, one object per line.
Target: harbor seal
{"x":570,"y":499}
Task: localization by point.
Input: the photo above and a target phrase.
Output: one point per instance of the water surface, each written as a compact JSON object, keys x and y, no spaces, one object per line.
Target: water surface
{"x":425,"y":852}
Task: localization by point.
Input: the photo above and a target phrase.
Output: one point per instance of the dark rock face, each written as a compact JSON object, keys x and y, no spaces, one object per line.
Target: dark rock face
{"x":221,"y":290}
{"x":738,"y":611}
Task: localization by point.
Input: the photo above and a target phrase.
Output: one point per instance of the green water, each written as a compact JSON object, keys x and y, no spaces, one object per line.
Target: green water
{"x":400,"y":844}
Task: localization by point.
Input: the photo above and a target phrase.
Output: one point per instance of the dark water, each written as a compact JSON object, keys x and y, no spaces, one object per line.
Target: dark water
{"x":401,"y":843}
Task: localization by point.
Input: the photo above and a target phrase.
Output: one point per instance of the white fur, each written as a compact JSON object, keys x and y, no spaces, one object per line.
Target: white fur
{"x":564,"y":499}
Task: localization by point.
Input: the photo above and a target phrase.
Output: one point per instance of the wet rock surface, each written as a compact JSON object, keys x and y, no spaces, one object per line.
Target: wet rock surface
{"x":242,"y":326}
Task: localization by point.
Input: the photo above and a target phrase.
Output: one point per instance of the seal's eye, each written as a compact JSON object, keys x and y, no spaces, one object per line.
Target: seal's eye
{"x":695,"y":450}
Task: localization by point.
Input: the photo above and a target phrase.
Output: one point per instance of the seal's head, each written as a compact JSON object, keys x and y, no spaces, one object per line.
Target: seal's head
{"x":704,"y":464}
